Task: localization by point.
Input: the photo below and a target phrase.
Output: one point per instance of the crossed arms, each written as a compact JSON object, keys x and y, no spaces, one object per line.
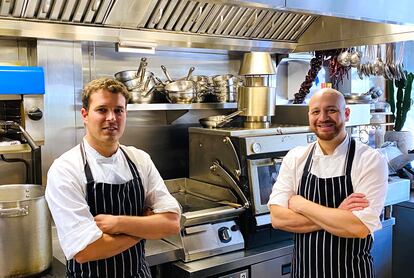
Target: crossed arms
{"x":304,"y":216}
{"x":122,"y":232}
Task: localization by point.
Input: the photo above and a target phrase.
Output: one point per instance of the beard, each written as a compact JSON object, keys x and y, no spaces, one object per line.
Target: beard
{"x":327,"y":136}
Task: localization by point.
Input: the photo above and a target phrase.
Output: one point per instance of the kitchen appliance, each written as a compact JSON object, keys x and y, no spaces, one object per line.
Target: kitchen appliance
{"x":208,"y":224}
{"x":255,"y":97}
{"x":249,"y":160}
{"x":26,"y":235}
{"x":21,"y":117}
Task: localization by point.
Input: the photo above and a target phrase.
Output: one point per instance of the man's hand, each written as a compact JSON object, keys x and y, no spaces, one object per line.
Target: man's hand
{"x":296,"y":202}
{"x":107,"y":223}
{"x":354,"y":202}
{"x":148,"y":212}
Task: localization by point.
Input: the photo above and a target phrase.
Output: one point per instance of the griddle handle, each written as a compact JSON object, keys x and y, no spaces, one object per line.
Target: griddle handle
{"x":217,"y":169}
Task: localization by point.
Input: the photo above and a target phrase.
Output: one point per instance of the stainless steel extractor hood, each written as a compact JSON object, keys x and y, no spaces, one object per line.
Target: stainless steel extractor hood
{"x":280,"y":26}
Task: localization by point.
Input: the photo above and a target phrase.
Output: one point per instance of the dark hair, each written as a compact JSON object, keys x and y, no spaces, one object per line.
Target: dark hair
{"x":107,"y":84}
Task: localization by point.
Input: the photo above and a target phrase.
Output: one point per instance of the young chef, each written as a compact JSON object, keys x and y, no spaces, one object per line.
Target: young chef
{"x":330,"y":194}
{"x":99,"y":192}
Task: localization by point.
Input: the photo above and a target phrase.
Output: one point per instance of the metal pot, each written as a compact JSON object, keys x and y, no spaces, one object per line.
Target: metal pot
{"x":25,"y":225}
{"x":182,"y":91}
{"x":219,"y":120}
{"x":131,"y":74}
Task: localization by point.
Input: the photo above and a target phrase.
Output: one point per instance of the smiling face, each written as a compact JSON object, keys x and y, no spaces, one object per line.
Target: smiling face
{"x":105,"y":120}
{"x":328,"y":114}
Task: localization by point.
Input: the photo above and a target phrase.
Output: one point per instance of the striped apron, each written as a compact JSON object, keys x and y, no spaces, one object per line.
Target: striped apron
{"x":116,"y":199}
{"x":320,"y":253}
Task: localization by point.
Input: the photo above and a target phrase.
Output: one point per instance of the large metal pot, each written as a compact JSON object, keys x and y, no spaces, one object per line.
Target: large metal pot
{"x":182,"y":91}
{"x":25,"y":228}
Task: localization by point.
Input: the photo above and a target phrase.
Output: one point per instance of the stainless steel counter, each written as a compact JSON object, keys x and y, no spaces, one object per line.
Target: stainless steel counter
{"x":159,"y":252}
{"x":231,"y":261}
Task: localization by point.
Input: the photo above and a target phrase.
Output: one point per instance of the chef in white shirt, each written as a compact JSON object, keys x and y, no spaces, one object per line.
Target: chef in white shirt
{"x":99,"y":193}
{"x":330,"y":194}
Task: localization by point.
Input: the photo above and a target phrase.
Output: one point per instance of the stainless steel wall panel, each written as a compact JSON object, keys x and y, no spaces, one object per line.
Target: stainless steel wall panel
{"x":61,"y":62}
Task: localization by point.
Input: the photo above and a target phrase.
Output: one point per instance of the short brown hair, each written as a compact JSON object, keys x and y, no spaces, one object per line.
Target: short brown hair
{"x":107,"y":84}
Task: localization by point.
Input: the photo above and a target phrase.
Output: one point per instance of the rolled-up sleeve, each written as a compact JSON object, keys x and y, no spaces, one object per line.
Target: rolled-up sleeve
{"x":373,"y":183}
{"x":75,"y":225}
{"x":284,"y":187}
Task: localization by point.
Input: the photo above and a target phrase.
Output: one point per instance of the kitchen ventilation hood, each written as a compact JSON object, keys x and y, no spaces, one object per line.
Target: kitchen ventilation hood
{"x":279,"y":26}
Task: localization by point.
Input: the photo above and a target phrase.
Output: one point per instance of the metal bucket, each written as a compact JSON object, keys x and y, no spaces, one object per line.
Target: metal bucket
{"x":25,"y":227}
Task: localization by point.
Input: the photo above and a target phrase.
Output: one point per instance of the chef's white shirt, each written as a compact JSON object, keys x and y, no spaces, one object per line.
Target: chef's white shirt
{"x":369,"y":175}
{"x":66,"y":191}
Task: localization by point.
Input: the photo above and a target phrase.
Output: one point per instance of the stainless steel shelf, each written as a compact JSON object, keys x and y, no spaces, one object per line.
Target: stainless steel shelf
{"x":23,"y":148}
{"x":176,"y":106}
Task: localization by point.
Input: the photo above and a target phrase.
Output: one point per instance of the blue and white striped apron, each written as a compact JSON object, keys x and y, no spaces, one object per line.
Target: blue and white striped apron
{"x":320,"y":253}
{"x":116,"y":199}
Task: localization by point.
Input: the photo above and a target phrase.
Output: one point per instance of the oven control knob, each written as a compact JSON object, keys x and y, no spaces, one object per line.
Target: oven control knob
{"x":224,"y":234}
{"x":35,"y":113}
{"x":256,"y":147}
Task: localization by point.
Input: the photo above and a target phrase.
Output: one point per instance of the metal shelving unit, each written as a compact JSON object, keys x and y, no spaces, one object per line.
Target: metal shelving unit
{"x":179,"y":106}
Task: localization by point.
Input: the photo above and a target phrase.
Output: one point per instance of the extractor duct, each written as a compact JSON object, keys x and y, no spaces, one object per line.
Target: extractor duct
{"x":279,"y":26}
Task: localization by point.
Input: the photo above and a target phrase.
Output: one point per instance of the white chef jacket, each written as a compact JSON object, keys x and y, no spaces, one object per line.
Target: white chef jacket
{"x":369,"y":175}
{"x":66,"y":191}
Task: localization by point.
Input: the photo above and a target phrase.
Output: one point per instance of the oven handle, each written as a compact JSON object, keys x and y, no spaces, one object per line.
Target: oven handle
{"x":228,"y":142}
{"x":218,"y":170}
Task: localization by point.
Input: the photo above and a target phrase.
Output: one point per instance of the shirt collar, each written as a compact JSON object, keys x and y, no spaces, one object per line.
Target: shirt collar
{"x":340,"y":150}
{"x":94,"y":154}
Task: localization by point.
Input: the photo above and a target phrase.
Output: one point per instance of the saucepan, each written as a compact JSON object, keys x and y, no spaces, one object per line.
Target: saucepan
{"x":219,"y":120}
{"x":127,"y":75}
{"x":182,"y":91}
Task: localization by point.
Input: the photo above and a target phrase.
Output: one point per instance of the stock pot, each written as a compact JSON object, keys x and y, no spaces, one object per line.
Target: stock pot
{"x":25,"y":228}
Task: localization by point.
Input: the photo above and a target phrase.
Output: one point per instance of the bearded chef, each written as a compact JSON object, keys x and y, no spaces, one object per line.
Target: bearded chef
{"x":330,"y":194}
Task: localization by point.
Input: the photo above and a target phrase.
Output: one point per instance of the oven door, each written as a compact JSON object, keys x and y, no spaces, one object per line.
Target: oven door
{"x":262,"y":175}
